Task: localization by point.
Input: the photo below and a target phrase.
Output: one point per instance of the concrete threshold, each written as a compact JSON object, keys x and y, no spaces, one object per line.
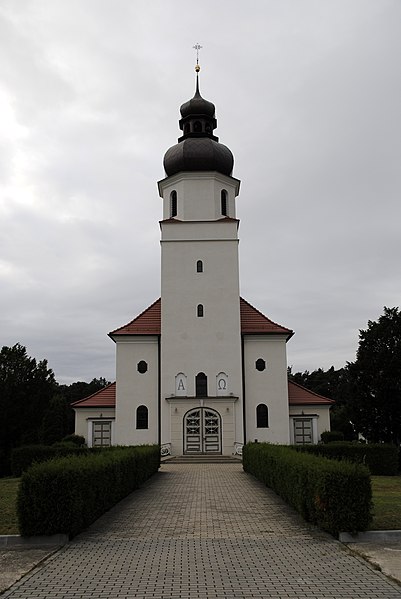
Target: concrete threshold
{"x":40,"y":541}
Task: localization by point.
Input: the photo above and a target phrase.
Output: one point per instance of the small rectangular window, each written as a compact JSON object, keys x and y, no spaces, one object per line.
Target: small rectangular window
{"x":173,"y":204}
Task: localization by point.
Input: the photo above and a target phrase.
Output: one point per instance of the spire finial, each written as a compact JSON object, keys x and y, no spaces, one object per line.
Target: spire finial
{"x":197,"y":47}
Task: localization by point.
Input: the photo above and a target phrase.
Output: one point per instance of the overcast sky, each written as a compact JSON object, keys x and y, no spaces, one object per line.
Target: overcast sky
{"x":308,"y":98}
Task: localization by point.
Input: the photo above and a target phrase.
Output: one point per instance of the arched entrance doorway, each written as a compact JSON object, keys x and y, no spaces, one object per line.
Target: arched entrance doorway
{"x":202,"y":431}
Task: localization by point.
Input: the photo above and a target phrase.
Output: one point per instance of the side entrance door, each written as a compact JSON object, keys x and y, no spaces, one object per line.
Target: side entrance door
{"x":202,"y":431}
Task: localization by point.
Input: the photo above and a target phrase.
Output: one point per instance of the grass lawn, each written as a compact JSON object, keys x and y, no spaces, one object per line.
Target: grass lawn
{"x":8,"y":511}
{"x":387,"y":503}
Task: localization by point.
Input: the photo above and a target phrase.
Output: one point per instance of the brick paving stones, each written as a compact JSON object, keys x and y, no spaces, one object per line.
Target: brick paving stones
{"x":203,"y":531}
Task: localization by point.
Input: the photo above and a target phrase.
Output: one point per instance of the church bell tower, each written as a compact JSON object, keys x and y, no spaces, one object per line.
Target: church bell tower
{"x":201,"y":370}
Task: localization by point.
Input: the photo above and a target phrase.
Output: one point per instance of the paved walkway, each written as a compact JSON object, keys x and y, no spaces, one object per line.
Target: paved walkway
{"x":203,"y":531}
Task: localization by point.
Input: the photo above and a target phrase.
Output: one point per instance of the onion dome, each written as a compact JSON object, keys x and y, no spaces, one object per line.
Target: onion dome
{"x":198,"y":149}
{"x":197,"y":105}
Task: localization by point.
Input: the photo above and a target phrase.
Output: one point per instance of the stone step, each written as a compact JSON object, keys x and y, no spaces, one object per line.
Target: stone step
{"x":203,"y":459}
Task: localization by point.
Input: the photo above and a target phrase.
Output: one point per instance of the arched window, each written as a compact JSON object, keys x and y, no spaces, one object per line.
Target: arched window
{"x":201,"y":384}
{"x":199,"y":266}
{"x":260,"y":364}
{"x":173,"y":204}
{"x":197,"y":127}
{"x":224,"y":202}
{"x":199,"y":310}
{"x":142,"y":417}
{"x":187,"y":129}
{"x":262,"y":416}
{"x":142,"y":367}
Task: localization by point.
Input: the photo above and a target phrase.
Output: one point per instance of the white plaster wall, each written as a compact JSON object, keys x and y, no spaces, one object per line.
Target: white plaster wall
{"x":134,"y":389}
{"x":199,"y":195}
{"x":210,"y":344}
{"x":269,"y":386}
{"x":322,"y":413}
{"x":84,"y":415}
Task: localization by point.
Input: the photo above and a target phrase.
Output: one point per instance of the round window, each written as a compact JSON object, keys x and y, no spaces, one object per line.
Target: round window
{"x":142,"y":367}
{"x":260,"y":364}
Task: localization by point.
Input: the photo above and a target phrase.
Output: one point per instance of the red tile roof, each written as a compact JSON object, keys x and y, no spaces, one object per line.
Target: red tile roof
{"x":147,"y":323}
{"x":105,"y":398}
{"x":298,"y":395}
{"x":252,"y":322}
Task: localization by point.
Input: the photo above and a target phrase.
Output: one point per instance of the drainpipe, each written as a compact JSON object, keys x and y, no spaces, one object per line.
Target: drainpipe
{"x":159,"y":391}
{"x":243,"y":387}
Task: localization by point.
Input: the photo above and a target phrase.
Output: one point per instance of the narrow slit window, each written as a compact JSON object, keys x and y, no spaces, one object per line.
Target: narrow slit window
{"x":199,"y":266}
{"x":199,"y":310}
{"x":173,"y":204}
{"x":224,"y":202}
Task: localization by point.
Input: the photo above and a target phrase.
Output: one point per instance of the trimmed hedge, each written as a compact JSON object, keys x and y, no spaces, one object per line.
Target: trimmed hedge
{"x":380,"y":458}
{"x":332,"y":436}
{"x":23,"y":457}
{"x":66,"y":495}
{"x":336,"y":496}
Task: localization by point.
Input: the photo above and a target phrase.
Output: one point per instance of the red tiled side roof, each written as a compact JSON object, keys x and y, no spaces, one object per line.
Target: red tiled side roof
{"x":105,"y":398}
{"x":298,"y":395}
{"x":253,"y":321}
{"x":147,"y":323}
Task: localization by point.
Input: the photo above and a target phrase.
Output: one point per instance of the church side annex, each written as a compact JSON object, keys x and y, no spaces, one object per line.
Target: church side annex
{"x":200,"y":371}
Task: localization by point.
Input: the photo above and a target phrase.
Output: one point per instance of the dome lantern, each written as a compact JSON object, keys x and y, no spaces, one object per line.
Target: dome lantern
{"x":198,"y":149}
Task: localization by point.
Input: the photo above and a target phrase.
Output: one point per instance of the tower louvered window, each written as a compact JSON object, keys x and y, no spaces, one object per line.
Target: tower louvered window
{"x":224,"y":202}
{"x":173,"y":204}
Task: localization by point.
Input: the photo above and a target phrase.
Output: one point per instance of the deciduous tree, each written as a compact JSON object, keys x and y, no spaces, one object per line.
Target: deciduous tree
{"x":375,"y":379}
{"x":26,"y":387}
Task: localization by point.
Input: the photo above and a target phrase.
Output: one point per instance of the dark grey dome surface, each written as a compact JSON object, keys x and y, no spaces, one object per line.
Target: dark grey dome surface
{"x":198,"y":154}
{"x":197,"y":105}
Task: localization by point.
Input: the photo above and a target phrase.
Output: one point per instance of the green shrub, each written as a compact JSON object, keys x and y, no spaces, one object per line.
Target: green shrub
{"x":76,"y":439}
{"x":334,"y":495}
{"x":331,"y":436}
{"x":380,"y":458}
{"x":66,"y":495}
{"x":23,"y":457}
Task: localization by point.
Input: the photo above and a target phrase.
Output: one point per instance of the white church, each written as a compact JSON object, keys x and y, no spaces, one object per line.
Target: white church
{"x":200,"y":371}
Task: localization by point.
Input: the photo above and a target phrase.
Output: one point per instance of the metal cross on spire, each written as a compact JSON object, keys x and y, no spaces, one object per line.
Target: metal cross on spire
{"x":197,"y":47}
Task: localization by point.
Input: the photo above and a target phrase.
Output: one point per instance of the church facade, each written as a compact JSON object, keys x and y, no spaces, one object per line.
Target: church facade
{"x":201,"y":371}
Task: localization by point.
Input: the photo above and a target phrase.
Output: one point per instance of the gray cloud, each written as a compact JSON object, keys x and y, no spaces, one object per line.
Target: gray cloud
{"x":307,"y":97}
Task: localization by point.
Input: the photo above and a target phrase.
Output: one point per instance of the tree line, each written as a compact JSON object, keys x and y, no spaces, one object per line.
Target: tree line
{"x":367,"y":391}
{"x":34,"y":408}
